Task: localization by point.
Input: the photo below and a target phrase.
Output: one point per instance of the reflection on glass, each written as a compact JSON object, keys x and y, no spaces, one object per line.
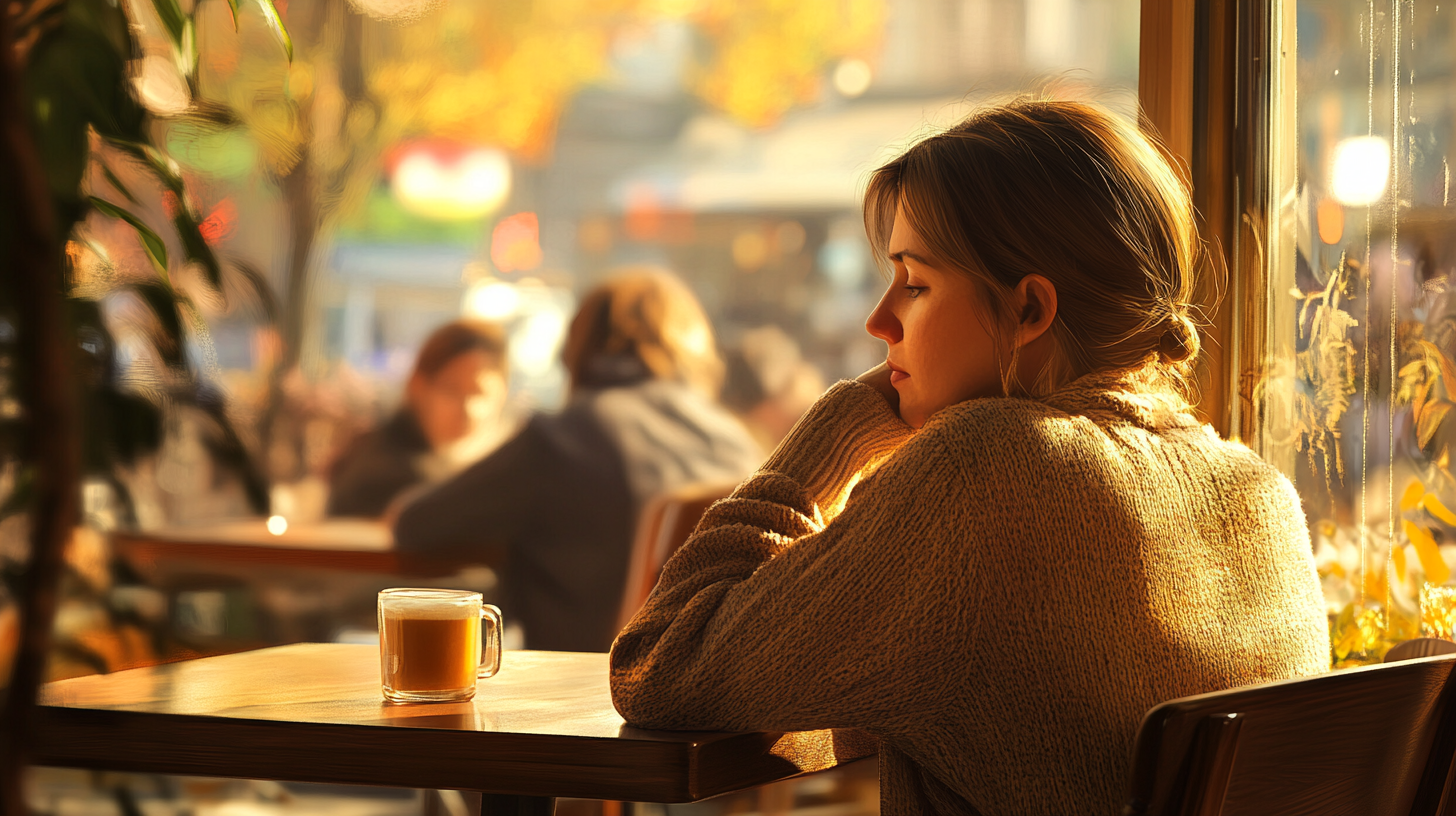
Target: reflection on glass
{"x":1374,"y":365}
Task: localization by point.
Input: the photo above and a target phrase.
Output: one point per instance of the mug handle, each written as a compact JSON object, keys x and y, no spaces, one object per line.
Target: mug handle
{"x":490,"y":642}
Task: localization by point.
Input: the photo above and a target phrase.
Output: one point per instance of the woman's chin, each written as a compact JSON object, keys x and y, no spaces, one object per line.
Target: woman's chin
{"x":913,"y":416}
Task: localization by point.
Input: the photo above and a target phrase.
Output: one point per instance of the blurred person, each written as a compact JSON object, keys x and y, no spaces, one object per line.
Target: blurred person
{"x":564,"y":495}
{"x":996,"y":551}
{"x":770,"y":384}
{"x":453,"y":405}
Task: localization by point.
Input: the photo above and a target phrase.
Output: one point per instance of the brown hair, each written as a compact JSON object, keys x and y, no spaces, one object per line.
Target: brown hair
{"x":461,"y":337}
{"x":1068,"y":191}
{"x":641,"y":323}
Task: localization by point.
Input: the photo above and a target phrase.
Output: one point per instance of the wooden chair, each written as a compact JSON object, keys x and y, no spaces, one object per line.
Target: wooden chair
{"x":1371,"y":741}
{"x":1419,"y":647}
{"x":665,"y":524}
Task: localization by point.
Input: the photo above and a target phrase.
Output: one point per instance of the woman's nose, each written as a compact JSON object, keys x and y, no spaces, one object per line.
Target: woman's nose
{"x":882,"y":322}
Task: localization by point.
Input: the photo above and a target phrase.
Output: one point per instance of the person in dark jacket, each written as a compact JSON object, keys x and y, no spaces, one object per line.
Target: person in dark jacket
{"x":563,"y":496}
{"x":458,"y":386}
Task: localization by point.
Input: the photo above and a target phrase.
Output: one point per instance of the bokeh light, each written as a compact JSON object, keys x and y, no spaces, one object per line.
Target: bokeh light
{"x":515,"y":243}
{"x":1360,"y":170}
{"x":852,"y":77}
{"x":492,"y":300}
{"x":431,"y":182}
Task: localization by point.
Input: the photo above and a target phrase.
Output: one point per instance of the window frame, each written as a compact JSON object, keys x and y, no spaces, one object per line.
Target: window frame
{"x":1215,"y":83}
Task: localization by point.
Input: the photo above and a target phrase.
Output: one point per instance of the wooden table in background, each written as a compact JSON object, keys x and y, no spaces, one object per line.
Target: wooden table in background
{"x":543,"y":727}
{"x":355,"y":545}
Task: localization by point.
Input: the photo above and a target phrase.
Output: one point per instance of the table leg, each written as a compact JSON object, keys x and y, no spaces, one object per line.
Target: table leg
{"x":499,"y":804}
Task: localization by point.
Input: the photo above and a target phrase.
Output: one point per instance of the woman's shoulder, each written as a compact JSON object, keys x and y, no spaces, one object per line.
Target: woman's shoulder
{"x":992,"y":422}
{"x":1035,"y":435}
{"x":998,"y":425}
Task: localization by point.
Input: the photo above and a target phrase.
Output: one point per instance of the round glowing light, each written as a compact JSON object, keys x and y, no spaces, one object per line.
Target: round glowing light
{"x":471,"y":186}
{"x":750,"y":250}
{"x":790,"y":237}
{"x":277,"y":525}
{"x":1330,"y":219}
{"x":492,"y":300}
{"x":852,"y":77}
{"x":1360,"y":171}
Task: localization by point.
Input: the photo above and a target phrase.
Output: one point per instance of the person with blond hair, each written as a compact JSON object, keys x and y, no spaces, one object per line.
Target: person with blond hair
{"x":997,"y":550}
{"x":562,"y":497}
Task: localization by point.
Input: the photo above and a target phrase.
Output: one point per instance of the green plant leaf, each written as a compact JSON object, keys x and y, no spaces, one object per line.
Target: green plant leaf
{"x":154,"y":160}
{"x":115,"y":182}
{"x":233,"y":7}
{"x":172,"y":18}
{"x":196,"y":246}
{"x":151,"y":242}
{"x":270,"y":13}
{"x":163,"y":302}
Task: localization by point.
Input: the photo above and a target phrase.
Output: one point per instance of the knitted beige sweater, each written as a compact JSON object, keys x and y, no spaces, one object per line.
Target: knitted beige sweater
{"x":1000,"y":601}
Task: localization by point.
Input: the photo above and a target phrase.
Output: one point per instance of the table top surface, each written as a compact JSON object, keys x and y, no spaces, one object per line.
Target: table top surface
{"x":343,"y":534}
{"x":543,"y":726}
{"x":351,"y":544}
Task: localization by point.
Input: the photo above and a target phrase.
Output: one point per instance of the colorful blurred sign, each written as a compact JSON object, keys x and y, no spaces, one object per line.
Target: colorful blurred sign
{"x":446,"y":181}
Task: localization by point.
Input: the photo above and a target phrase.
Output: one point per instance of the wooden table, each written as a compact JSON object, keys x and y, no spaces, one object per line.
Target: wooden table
{"x":354,"y":545}
{"x":351,"y":544}
{"x":543,"y":727}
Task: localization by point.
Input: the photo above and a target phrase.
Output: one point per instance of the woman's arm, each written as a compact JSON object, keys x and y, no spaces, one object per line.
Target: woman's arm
{"x":770,"y":619}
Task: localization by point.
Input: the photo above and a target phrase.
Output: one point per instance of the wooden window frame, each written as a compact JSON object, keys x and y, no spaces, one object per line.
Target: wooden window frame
{"x":1215,"y":83}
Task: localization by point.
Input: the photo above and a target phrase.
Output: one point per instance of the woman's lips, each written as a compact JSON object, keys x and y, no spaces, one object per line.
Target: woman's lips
{"x":897,"y":374}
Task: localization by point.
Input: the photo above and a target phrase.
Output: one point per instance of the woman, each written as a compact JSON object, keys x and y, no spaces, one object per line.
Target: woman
{"x":1041,"y":542}
{"x":455,"y":396}
{"x":562,"y":497}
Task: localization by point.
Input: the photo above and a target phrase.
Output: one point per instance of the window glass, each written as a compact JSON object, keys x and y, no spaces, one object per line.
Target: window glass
{"x":1372,"y":374}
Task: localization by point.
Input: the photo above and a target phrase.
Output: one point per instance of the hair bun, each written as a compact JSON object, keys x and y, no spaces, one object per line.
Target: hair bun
{"x":1179,"y":341}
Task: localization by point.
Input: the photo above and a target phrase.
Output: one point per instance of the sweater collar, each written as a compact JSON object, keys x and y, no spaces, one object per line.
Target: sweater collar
{"x":1138,"y":396}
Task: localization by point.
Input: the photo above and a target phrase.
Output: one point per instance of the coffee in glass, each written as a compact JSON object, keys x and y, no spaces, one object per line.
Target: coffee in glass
{"x":431,"y":647}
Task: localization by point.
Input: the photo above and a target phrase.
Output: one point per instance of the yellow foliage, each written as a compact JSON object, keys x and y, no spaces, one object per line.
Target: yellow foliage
{"x":1397,"y":559}
{"x":1372,"y":580}
{"x":1363,"y":637}
{"x":1412,"y":495}
{"x":771,"y":54}
{"x":1434,"y":506}
{"x":1429,"y":554}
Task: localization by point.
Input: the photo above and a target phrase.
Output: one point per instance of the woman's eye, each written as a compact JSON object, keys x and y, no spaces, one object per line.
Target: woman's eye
{"x":914,"y":291}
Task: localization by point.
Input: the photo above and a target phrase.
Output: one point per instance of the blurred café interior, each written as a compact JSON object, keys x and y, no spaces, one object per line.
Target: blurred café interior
{"x":340,"y":263}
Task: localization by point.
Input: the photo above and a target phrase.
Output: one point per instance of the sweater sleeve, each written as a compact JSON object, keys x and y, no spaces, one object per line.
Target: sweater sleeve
{"x":769,"y":619}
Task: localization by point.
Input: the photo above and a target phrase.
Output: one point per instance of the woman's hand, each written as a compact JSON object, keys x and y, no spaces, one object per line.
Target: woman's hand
{"x":878,"y":378}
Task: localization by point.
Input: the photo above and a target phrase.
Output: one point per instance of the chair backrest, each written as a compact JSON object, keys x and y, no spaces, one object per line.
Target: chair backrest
{"x":665,"y":524}
{"x":1419,"y":647}
{"x":1370,"y":741}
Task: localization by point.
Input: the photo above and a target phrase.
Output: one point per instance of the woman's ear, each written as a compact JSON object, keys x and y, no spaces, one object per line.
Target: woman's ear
{"x":1036,"y":301}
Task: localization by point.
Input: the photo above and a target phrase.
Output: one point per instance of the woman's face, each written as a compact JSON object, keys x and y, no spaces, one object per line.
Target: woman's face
{"x":458,"y":398}
{"x":942,"y":350}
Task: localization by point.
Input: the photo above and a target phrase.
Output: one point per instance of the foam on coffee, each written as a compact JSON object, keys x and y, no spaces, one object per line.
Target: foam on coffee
{"x":404,"y":606}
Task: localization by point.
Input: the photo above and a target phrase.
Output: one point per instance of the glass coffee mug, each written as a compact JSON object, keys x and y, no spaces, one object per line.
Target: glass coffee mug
{"x":430,"y":644}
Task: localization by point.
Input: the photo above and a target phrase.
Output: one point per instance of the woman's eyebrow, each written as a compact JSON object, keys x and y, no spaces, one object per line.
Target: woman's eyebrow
{"x":899,"y":257}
